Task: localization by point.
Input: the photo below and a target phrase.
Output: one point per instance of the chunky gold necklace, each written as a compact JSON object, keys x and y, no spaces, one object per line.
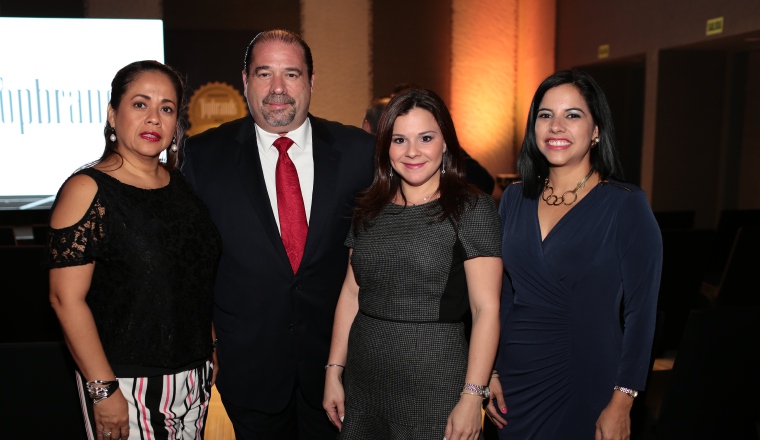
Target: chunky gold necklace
{"x":553,"y":200}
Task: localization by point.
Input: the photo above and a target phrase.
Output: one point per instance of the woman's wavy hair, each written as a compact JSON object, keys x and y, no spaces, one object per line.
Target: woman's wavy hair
{"x":454,"y":191}
{"x":534,"y":167}
{"x":121,"y":82}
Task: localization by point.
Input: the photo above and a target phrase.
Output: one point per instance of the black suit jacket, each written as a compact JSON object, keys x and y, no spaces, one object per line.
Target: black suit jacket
{"x":274,"y":327}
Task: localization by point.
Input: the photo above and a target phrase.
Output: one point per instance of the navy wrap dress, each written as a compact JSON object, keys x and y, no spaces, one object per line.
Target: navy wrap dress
{"x":578,"y":309}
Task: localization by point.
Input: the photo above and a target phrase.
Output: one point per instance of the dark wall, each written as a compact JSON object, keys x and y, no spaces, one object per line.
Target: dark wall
{"x":634,"y":28}
{"x":411,"y":42}
{"x":207,"y":55}
{"x":749,"y":157}
{"x":623,"y":85}
{"x":42,"y":8}
{"x":689,"y":129}
{"x":232,"y":14}
{"x":207,"y":41}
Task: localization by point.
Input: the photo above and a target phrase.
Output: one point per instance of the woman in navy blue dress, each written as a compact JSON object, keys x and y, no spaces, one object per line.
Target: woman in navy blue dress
{"x":583,"y":255}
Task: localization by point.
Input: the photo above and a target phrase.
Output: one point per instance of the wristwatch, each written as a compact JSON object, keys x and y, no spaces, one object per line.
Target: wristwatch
{"x":482,"y":391}
{"x":630,"y":392}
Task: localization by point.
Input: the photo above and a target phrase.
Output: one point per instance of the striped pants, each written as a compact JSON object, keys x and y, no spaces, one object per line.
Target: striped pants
{"x":170,"y":407}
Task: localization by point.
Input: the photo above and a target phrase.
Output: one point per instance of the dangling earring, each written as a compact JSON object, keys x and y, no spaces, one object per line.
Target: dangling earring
{"x":391,"y":175}
{"x":174,"y":144}
{"x":443,"y":170}
{"x":113,"y":135}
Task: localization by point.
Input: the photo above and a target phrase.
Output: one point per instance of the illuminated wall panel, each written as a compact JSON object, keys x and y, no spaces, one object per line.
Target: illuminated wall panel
{"x":338,"y":32}
{"x":501,"y":51}
{"x":535,"y":56}
{"x":483,"y":79}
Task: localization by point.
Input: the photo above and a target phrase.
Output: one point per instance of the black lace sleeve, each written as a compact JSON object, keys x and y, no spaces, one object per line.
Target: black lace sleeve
{"x":80,"y":243}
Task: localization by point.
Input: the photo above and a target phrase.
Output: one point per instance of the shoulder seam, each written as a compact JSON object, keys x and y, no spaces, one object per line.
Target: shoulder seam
{"x":604,"y":182}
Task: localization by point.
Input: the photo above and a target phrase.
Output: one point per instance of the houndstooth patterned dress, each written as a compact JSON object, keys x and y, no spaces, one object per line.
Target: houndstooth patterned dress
{"x":407,"y":351}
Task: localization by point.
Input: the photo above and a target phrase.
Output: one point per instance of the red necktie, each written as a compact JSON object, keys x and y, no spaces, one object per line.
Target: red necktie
{"x":293,"y":226}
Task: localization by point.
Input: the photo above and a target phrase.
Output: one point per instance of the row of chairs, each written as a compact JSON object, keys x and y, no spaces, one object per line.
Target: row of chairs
{"x":710,"y":316}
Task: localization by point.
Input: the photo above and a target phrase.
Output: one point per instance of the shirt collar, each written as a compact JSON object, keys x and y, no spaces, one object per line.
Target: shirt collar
{"x":299,"y":136}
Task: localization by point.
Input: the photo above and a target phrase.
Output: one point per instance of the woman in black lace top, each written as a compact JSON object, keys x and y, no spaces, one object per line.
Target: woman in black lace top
{"x":133,"y":254}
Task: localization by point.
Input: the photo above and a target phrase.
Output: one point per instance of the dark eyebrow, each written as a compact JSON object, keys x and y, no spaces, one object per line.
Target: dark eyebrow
{"x":575,"y":109}
{"x":287,"y":69}
{"x":566,"y":110}
{"x":147,"y":98}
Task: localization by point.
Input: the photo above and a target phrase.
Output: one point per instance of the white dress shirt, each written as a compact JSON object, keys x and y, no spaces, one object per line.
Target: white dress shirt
{"x":301,"y":155}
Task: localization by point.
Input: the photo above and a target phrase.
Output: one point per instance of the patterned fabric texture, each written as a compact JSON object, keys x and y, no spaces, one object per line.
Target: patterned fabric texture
{"x":404,"y":370}
{"x":155,"y":253}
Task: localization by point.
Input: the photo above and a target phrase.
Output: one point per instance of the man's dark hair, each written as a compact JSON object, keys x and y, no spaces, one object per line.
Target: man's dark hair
{"x":283,"y":36}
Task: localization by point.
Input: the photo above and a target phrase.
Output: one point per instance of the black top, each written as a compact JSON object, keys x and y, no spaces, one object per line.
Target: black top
{"x":156,"y":252}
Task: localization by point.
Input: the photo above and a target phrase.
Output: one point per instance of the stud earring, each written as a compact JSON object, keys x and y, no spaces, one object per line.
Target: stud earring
{"x":174,"y":144}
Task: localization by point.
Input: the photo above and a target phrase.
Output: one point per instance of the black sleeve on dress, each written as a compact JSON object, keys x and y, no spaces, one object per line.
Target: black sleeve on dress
{"x":640,"y":251}
{"x":480,"y":229}
{"x":80,"y":243}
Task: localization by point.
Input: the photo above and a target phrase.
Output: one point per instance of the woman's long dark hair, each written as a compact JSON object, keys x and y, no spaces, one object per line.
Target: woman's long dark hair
{"x":534,"y":167}
{"x":121,"y":82}
{"x":454,"y":191}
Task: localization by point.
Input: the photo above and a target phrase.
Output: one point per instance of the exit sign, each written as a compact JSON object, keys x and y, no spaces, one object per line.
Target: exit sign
{"x":603,"y":51}
{"x":714,"y":26}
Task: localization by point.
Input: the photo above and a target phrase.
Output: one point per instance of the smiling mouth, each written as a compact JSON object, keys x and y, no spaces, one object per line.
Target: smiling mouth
{"x":558,"y":143}
{"x":414,"y":166}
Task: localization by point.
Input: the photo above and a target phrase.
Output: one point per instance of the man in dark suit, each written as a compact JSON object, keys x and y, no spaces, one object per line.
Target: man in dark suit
{"x":283,"y":218}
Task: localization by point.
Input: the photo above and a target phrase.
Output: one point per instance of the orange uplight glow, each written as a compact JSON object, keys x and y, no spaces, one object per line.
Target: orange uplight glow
{"x":501,"y":50}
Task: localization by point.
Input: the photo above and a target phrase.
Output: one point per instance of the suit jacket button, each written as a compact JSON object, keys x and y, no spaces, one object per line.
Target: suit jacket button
{"x":290,"y":327}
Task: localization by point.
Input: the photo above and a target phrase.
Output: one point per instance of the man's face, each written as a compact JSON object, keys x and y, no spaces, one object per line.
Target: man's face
{"x":277,"y":86}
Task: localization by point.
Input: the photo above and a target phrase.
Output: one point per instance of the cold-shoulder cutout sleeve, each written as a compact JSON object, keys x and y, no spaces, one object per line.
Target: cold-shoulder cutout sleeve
{"x":480,"y":229}
{"x":80,"y":243}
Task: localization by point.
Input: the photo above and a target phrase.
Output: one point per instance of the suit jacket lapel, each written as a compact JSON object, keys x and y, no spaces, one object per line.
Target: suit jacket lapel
{"x":326,"y":167}
{"x":249,"y":170}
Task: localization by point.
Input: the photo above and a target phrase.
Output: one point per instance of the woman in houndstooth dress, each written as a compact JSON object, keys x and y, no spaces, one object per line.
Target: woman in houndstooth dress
{"x":425,"y":254}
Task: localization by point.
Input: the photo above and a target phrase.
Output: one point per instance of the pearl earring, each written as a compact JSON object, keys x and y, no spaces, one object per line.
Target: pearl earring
{"x":113,"y":136}
{"x":174,"y":144}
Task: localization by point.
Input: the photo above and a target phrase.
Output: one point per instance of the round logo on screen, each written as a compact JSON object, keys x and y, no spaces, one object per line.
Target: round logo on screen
{"x":213,"y":104}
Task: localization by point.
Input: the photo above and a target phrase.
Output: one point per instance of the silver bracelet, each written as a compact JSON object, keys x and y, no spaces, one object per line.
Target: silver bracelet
{"x":631,"y":393}
{"x":335,"y":365}
{"x":100,"y":390}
